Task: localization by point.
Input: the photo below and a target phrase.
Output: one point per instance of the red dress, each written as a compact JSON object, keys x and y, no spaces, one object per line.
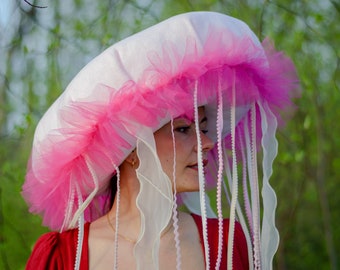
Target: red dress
{"x":240,"y":251}
{"x":58,"y":250}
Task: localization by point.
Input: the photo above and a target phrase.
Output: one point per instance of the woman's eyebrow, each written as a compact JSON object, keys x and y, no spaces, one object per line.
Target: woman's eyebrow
{"x":186,"y":119}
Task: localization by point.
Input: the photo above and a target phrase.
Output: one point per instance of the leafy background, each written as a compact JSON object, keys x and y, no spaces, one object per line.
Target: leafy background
{"x":41,"y":50}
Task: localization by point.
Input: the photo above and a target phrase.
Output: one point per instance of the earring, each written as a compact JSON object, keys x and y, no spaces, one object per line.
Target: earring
{"x":133,"y":163}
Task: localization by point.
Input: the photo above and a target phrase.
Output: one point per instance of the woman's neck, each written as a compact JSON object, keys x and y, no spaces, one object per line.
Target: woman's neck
{"x":125,"y":203}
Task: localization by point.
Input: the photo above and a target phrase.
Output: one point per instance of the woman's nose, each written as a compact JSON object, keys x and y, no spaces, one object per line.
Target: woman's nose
{"x":207,"y":143}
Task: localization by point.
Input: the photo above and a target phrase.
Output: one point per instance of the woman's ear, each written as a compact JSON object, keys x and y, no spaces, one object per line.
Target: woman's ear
{"x":132,"y":159}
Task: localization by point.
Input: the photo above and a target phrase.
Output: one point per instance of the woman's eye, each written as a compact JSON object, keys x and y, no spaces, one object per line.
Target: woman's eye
{"x":183,"y":129}
{"x":186,"y":129}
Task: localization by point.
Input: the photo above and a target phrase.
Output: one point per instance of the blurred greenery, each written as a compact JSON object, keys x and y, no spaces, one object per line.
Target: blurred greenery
{"x":41,"y":49}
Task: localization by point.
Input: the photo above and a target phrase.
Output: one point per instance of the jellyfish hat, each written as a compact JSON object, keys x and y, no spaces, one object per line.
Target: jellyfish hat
{"x":121,"y":97}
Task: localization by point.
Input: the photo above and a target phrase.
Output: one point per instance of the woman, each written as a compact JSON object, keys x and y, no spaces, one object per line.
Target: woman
{"x":154,"y":118}
{"x":129,"y":218}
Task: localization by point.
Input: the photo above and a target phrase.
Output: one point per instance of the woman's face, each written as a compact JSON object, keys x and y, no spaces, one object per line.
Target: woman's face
{"x":186,"y":150}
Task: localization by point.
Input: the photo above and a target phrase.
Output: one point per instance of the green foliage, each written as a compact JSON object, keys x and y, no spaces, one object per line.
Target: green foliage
{"x":43,"y":49}
{"x":18,"y":228}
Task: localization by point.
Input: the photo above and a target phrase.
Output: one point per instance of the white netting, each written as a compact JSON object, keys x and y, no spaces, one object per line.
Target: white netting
{"x":155,"y":186}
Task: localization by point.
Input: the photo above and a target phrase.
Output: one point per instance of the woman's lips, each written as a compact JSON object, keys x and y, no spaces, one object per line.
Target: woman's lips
{"x":195,"y":166}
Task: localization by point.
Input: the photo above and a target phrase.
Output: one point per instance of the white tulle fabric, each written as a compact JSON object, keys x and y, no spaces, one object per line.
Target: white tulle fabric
{"x":270,"y":235}
{"x":155,"y":186}
{"x":192,"y":199}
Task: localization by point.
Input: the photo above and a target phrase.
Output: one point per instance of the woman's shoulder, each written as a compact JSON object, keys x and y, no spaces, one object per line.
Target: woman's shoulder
{"x":44,"y":251}
{"x":213,"y":228}
{"x":51,"y":240}
{"x":240,"y":254}
{"x":212,"y":222}
{"x":54,"y":248}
